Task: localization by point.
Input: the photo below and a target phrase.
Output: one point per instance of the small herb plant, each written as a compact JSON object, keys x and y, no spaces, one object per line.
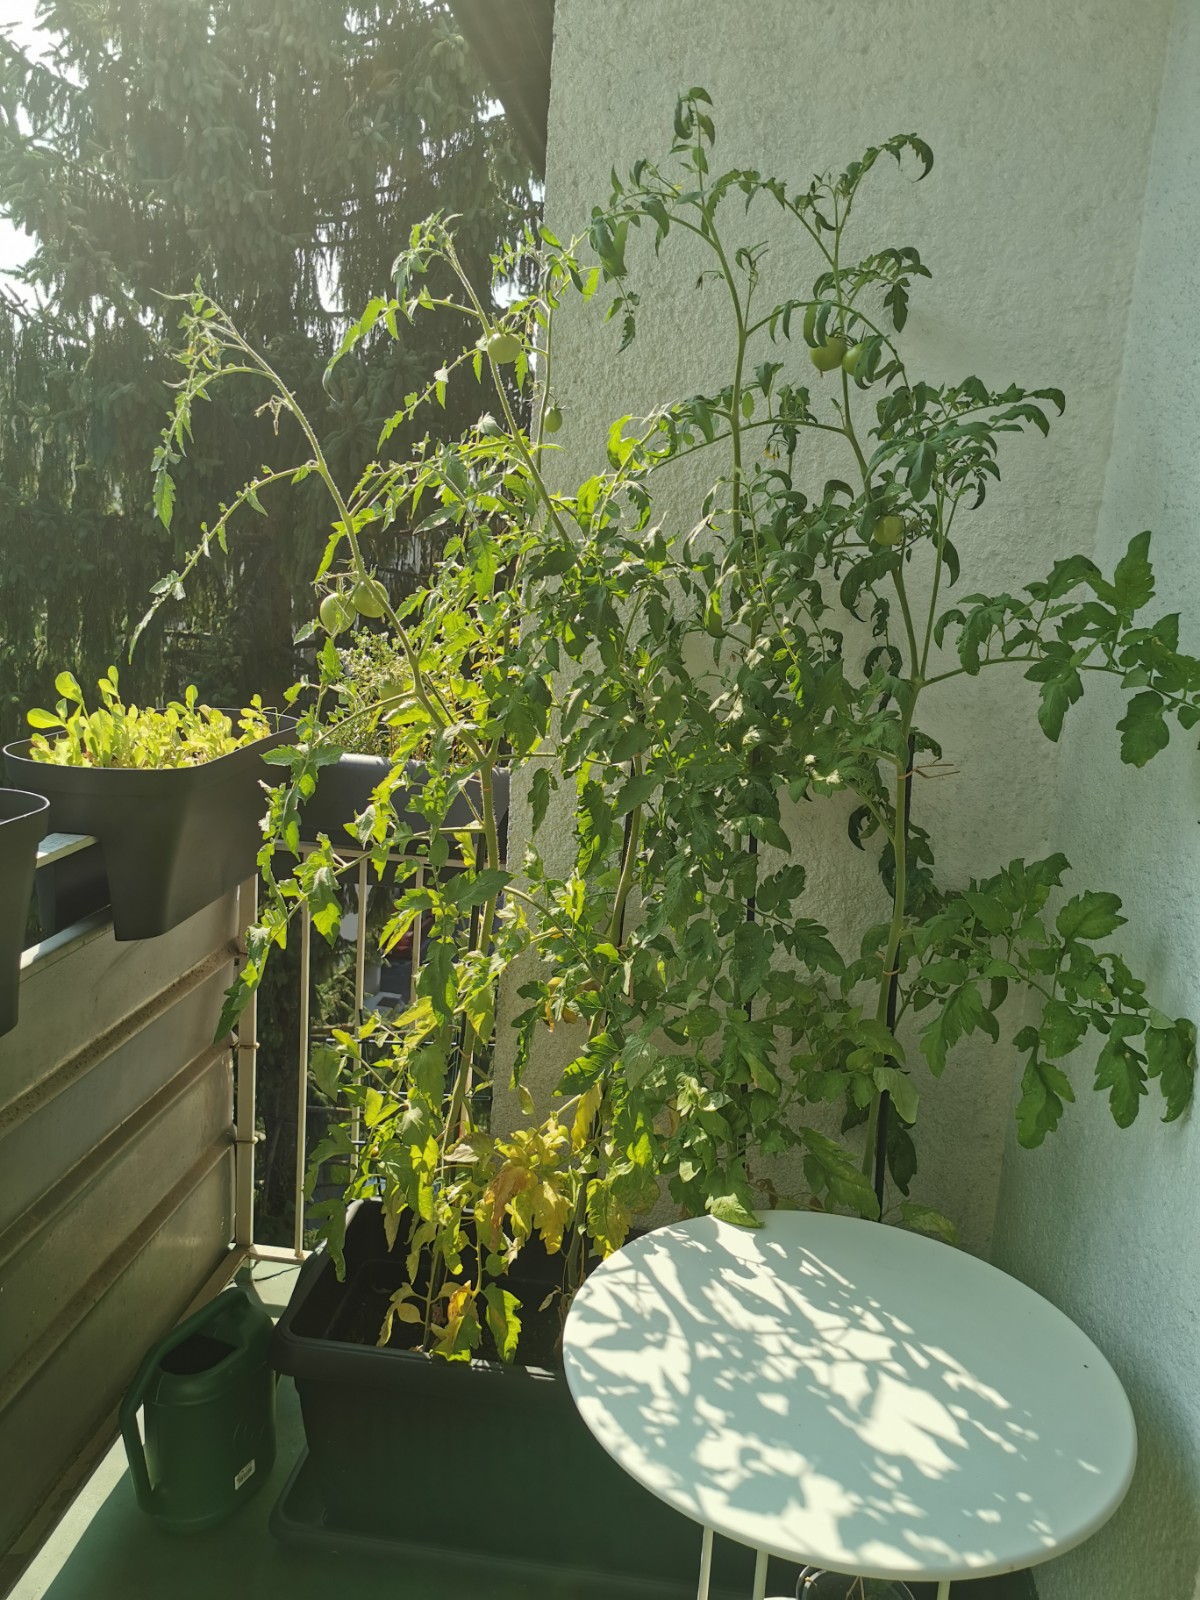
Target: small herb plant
{"x":662,"y":680}
{"x":374,"y":681}
{"x":365,"y":698}
{"x":181,"y":734}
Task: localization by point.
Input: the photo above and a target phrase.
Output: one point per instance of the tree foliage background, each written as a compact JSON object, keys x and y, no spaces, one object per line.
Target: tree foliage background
{"x":278,"y":151}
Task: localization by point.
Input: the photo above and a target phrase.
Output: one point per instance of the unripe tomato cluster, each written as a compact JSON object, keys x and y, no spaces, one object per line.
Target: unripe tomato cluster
{"x":828,"y":355}
{"x":337,"y":611}
{"x":503,"y":348}
{"x":888,"y":530}
{"x":837,"y":352}
{"x":369,"y":597}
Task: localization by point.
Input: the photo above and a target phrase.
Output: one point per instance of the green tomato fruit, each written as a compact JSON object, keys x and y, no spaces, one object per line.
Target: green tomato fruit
{"x":888,"y":530}
{"x":552,"y":421}
{"x":828,"y":355}
{"x":336,"y":613}
{"x":503,"y":347}
{"x":852,"y":357}
{"x":369,"y":597}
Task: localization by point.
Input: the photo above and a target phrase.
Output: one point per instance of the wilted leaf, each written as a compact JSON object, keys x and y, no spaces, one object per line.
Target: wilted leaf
{"x":923,"y":1219}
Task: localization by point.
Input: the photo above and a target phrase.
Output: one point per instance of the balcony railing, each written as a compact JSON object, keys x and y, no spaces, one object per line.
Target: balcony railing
{"x":128,"y":1140}
{"x":119,"y":1148}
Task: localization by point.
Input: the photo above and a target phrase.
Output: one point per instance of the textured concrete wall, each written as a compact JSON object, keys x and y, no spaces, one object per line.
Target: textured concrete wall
{"x":1041,"y":118}
{"x":1105,"y":1223}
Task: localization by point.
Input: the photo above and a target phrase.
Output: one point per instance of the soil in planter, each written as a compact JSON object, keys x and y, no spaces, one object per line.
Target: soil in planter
{"x":369,"y":1288}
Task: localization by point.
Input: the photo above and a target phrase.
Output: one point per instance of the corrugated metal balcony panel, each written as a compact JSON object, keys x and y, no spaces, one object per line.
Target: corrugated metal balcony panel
{"x":72,"y":1001}
{"x":100,"y":1106}
{"x":102,"y":1095}
{"x":97,"y":1208}
{"x":117,"y":1200}
{"x":62,"y":1397}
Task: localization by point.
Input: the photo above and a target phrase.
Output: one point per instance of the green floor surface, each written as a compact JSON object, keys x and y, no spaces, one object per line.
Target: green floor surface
{"x":106,"y":1549}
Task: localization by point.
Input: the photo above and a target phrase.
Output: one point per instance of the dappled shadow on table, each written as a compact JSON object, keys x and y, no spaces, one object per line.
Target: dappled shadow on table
{"x":811,"y":1404}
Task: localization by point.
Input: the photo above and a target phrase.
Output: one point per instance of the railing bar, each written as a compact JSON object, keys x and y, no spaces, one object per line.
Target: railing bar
{"x":246,"y":1104}
{"x":302,"y":1084}
{"x":360,"y":944}
{"x":58,"y":846}
{"x":58,"y":944}
{"x":415,"y":963}
{"x":360,"y":978}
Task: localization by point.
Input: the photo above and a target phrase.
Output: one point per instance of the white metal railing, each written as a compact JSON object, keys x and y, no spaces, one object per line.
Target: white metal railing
{"x":57,"y":847}
{"x":312,"y":1028}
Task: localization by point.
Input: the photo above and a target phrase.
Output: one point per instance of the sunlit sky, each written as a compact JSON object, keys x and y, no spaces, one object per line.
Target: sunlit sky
{"x":14,"y":246}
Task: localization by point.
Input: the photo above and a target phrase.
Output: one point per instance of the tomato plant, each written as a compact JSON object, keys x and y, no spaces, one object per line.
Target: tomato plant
{"x":662,"y":688}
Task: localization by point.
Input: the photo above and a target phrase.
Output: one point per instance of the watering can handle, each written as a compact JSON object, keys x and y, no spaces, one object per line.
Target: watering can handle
{"x":136,"y":1392}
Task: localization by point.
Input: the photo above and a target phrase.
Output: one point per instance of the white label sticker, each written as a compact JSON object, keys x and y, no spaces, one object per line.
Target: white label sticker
{"x":246,"y":1472}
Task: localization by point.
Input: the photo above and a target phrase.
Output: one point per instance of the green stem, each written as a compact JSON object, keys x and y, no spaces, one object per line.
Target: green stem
{"x":914,"y":654}
{"x":466,"y":1062}
{"x":895,"y":933}
{"x":625,"y":885}
{"x":515,"y":433}
{"x":735,"y":410}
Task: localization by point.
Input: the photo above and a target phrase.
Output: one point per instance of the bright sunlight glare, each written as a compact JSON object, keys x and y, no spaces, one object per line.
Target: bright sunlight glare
{"x":19,"y":25}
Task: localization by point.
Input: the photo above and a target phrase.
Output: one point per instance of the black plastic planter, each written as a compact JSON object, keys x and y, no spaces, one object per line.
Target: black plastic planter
{"x":23,"y":819}
{"x":344,"y":788}
{"x":488,"y":1463}
{"x":173,"y":840}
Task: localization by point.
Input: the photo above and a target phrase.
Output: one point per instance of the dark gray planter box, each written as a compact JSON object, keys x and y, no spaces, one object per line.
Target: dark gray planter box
{"x":552,"y":1501}
{"x":344,"y":789}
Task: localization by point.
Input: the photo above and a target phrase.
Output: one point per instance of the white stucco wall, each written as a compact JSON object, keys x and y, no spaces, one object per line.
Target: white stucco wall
{"x":1108,"y":1226}
{"x":1064,"y":233}
{"x":1041,"y":118}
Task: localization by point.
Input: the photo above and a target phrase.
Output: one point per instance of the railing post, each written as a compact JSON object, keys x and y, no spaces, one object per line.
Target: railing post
{"x":360,"y":976}
{"x":361,"y":862}
{"x":245,"y":1130}
{"x":302,"y":1080}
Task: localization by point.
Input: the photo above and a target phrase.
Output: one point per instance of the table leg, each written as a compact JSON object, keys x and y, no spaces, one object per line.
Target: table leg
{"x":944,"y":1589}
{"x":760,"y":1575}
{"x":706,"y":1547}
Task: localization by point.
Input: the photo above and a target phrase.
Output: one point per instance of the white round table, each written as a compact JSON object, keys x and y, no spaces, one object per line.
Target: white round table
{"x":856,"y":1397}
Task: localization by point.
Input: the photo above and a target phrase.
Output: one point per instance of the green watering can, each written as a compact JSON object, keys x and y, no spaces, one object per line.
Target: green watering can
{"x":208,"y":1396}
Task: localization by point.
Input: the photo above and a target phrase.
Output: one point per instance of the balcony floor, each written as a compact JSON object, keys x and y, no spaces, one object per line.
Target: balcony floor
{"x":106,"y":1549}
